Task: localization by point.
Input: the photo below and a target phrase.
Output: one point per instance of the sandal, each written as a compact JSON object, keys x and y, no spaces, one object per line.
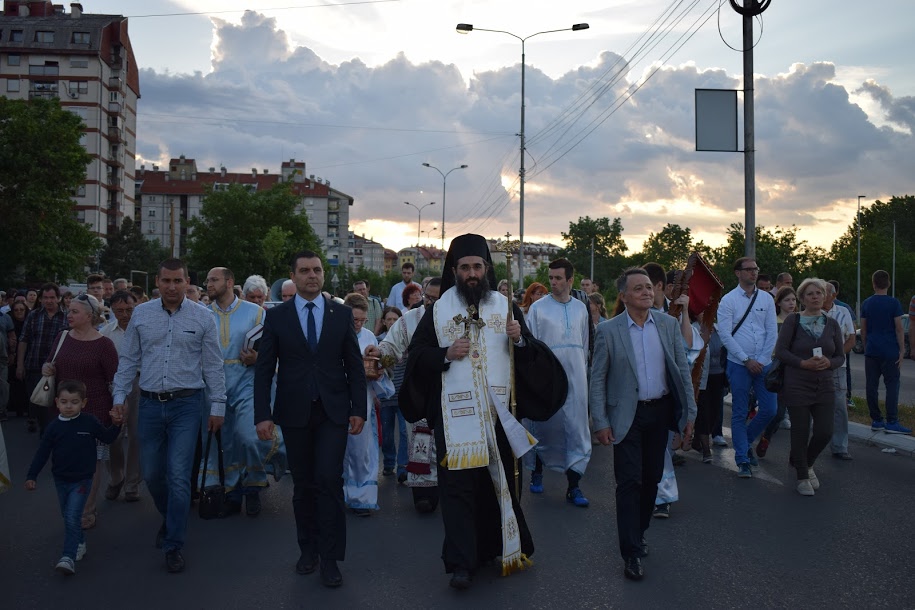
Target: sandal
{"x":88,"y":521}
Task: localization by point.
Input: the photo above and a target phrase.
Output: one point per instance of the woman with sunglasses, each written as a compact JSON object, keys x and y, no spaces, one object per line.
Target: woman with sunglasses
{"x":88,"y":356}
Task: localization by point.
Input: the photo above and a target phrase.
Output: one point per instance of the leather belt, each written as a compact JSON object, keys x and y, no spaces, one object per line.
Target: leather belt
{"x":166,"y":396}
{"x":654,"y":402}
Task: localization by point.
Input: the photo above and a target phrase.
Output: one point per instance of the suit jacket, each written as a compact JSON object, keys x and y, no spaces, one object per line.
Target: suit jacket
{"x":336,"y":367}
{"x":614,"y":386}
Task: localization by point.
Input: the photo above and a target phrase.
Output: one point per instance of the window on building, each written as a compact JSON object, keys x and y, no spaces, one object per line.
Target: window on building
{"x":80,"y":37}
{"x":152,"y":213}
{"x":79,"y":111}
{"x":79,"y":87}
{"x":113,"y":96}
{"x":44,"y":36}
{"x":12,"y":60}
{"x":80,"y":191}
{"x":79,"y":63}
{"x":81,"y":215}
{"x":15,"y":35}
{"x":50,"y":68}
{"x":12,"y":85}
{"x":333,"y":206}
{"x":152,"y":226}
{"x":151,"y":198}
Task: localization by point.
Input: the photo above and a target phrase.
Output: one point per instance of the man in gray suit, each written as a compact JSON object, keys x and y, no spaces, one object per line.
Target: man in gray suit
{"x":640,"y":389}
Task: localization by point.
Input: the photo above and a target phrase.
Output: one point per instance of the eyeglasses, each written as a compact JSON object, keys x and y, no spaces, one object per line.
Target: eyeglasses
{"x":750,"y":269}
{"x":85,"y":299}
{"x":430,"y":298}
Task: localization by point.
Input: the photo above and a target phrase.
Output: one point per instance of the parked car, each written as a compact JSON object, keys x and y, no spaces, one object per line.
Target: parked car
{"x":859,"y":345}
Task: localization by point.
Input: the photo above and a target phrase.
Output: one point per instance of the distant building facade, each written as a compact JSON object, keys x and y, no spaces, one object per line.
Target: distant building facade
{"x":365,"y":252}
{"x":87,"y":62}
{"x":167,"y":199}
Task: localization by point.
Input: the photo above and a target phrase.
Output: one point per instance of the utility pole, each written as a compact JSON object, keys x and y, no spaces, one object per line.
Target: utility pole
{"x":749,"y":10}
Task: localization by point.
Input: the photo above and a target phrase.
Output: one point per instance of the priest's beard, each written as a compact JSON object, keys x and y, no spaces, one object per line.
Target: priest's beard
{"x":473,"y":294}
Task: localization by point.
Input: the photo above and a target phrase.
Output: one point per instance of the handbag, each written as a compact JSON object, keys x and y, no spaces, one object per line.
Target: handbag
{"x":44,"y":393}
{"x":212,"y":504}
{"x":775,"y":378}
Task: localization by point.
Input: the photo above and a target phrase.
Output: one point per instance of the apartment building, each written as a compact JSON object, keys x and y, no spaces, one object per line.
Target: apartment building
{"x":168,"y":198}
{"x":86,"y":61}
{"x":365,"y":252}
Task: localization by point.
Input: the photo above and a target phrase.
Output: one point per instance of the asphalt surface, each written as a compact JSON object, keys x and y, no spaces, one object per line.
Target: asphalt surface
{"x":730,"y":543}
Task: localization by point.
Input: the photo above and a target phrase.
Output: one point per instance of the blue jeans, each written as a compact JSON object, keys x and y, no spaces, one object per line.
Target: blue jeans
{"x":742,"y":434}
{"x":72,"y":496}
{"x":390,"y":412}
{"x":168,"y":436}
{"x":874,"y":368}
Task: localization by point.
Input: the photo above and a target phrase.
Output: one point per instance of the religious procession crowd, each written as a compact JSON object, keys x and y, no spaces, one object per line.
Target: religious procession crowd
{"x":461,"y":390}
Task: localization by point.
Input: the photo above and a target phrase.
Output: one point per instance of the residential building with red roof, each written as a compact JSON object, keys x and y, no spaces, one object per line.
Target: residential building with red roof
{"x":167,"y":198}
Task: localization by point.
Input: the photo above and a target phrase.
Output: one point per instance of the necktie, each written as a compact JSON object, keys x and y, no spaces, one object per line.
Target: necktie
{"x":312,"y":328}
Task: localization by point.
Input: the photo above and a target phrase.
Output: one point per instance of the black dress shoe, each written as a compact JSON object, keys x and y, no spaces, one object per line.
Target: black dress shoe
{"x":330,"y":573}
{"x":424,"y":505}
{"x":160,"y":536}
{"x":643,"y":549}
{"x":253,"y":504}
{"x":232,"y":508}
{"x":306,"y":564}
{"x":461,"y":579}
{"x":633,"y":569}
{"x":174,"y":561}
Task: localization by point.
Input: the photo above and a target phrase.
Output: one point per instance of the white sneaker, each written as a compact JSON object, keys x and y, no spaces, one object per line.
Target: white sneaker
{"x":65,"y":566}
{"x":814,"y":481}
{"x":786,"y":424}
{"x":80,"y":551}
{"x":804,"y":487}
{"x":719,"y":441}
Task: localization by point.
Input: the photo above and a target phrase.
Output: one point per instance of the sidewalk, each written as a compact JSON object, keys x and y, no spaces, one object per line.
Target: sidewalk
{"x":903,"y":444}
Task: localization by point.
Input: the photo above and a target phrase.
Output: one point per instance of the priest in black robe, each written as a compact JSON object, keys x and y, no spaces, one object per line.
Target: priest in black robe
{"x":473,"y":514}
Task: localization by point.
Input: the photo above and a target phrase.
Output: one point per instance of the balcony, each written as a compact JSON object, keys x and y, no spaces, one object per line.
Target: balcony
{"x":114,"y":133}
{"x":114,"y":107}
{"x":45,"y":95}
{"x":115,"y":83}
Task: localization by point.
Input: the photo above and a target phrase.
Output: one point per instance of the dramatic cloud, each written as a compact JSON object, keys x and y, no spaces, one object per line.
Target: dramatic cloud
{"x":592,"y":149}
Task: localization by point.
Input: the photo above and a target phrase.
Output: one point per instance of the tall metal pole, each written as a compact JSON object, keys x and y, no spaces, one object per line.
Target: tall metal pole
{"x":521,"y":181}
{"x":750,"y":9}
{"x":592,"y":259}
{"x":419,"y":217}
{"x":858,"y":222}
{"x":444,"y":189}
{"x":894,"y":259}
{"x":749,"y":137}
{"x":464,"y":28}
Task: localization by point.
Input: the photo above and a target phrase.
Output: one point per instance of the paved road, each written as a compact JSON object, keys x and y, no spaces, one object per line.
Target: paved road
{"x":731,"y":543}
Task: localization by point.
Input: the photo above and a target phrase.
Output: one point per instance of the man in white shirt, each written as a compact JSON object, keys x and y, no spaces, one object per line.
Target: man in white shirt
{"x":840,"y":423}
{"x":395,"y":297}
{"x":122,"y":304}
{"x":748,"y":329}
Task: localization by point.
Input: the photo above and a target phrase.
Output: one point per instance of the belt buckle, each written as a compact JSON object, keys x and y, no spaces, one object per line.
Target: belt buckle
{"x":164,"y":396}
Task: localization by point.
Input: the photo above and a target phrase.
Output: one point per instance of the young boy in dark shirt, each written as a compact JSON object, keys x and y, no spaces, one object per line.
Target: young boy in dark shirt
{"x":70,"y":441}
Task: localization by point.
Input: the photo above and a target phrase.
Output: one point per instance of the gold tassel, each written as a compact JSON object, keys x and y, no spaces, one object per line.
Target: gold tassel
{"x":516,"y":565}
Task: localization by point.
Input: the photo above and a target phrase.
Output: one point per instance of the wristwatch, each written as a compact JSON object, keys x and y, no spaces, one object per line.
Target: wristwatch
{"x":747,"y":359}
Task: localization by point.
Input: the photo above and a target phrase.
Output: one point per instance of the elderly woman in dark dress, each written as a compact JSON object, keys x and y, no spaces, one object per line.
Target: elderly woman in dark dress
{"x":808,"y":390}
{"x":89,"y":357}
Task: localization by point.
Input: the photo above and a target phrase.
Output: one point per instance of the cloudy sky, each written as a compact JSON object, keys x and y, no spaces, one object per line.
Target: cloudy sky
{"x":365,"y":92}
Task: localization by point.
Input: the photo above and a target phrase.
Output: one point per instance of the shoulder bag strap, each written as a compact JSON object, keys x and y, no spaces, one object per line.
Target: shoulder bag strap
{"x":206,"y":457}
{"x":63,"y":336}
{"x":797,"y":322}
{"x":747,"y":312}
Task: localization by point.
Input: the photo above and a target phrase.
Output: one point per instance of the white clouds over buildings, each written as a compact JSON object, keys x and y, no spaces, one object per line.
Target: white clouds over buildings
{"x":367,"y":128}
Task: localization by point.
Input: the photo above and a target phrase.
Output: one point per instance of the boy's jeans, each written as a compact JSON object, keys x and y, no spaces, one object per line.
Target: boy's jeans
{"x":72,"y":496}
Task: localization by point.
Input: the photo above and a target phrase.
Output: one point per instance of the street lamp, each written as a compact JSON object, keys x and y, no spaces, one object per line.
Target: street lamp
{"x":858,"y":305}
{"x":444,"y":182}
{"x":428,"y":232}
{"x":466,"y":28}
{"x":419,"y":217}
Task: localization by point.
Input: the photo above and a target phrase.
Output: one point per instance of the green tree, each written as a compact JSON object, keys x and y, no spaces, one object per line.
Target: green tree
{"x":41,"y":164}
{"x":777,"y":250}
{"x":670,"y":248}
{"x":876,"y":250}
{"x":128,"y":250}
{"x":250,"y":232}
{"x":609,"y":247}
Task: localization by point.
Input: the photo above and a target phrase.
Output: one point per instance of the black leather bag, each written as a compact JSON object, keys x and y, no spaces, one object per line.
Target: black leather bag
{"x":212,"y":504}
{"x":775,"y":378}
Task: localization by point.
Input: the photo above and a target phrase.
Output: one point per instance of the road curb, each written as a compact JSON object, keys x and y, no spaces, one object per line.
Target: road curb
{"x":902,"y":443}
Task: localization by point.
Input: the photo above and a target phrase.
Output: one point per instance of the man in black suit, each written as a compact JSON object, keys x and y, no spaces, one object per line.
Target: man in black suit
{"x":320,"y":393}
